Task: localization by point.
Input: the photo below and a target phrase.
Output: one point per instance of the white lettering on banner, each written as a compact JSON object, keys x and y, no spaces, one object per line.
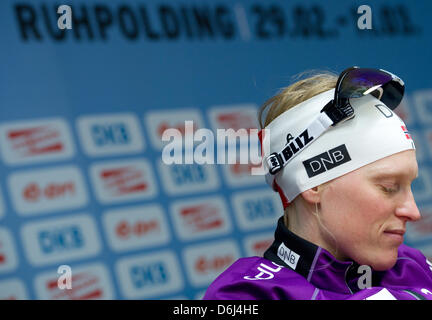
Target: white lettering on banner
{"x":288,"y":256}
{"x":136,"y":227}
{"x":110,"y":134}
{"x":256,"y":209}
{"x":8,"y":253}
{"x":35,"y":141}
{"x":200,"y":217}
{"x":48,"y":190}
{"x":265,"y":272}
{"x":205,"y":262}
{"x":149,"y":275}
{"x":61,"y":239}
{"x":187,"y":179}
{"x":13,"y":289}
{"x":124,"y":180}
{"x":87,"y":282}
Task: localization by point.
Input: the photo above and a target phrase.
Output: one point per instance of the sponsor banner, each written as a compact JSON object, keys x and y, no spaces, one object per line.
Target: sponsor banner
{"x":257,"y":209}
{"x":89,"y":282}
{"x":159,"y":121}
{"x":404,"y":111}
{"x":422,"y":186}
{"x":125,"y":180}
{"x":419,"y":144}
{"x":35,"y":141}
{"x":8,"y":253}
{"x":423,"y":103}
{"x":239,"y":174}
{"x":421,"y":229}
{"x":2,"y":205}
{"x":136,"y":227}
{"x":200,"y":218}
{"x":13,"y":289}
{"x":205,"y":262}
{"x":60,"y":240}
{"x":239,"y":117}
{"x":110,"y":134}
{"x":179,"y":179}
{"x":257,"y":244}
{"x":47,"y":190}
{"x":427,"y":135}
{"x":149,"y":275}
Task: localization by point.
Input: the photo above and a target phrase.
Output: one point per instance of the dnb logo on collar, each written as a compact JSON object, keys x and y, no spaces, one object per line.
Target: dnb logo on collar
{"x":326,"y":161}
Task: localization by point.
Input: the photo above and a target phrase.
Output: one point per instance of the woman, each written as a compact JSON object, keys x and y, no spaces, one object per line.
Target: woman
{"x":343,"y":163}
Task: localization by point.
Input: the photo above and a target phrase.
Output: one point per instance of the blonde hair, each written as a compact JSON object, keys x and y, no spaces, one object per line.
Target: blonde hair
{"x":312,"y":84}
{"x":302,"y":90}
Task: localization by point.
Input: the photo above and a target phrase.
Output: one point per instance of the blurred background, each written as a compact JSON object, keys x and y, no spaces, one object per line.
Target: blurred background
{"x":83,"y":110}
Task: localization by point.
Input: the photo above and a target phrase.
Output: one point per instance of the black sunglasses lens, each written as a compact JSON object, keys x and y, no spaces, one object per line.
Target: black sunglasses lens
{"x":380,"y":84}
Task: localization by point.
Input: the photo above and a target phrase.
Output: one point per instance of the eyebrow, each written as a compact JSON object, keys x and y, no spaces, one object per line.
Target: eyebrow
{"x":385,"y":173}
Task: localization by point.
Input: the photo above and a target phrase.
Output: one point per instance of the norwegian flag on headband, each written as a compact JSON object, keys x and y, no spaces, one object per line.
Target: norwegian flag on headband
{"x":407,"y":134}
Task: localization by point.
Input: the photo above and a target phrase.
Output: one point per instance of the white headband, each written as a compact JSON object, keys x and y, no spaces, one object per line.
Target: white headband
{"x":375,"y":132}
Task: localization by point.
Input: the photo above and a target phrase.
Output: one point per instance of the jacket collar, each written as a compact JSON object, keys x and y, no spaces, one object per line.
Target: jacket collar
{"x":314,"y":263}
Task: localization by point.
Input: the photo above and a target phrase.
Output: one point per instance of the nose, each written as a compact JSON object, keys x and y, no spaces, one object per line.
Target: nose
{"x":408,"y":209}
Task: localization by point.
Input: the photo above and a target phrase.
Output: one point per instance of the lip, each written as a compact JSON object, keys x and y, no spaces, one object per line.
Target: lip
{"x":396,"y":231}
{"x":396,"y":235}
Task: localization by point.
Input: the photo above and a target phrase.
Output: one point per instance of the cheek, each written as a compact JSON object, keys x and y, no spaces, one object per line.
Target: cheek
{"x":353,"y":207}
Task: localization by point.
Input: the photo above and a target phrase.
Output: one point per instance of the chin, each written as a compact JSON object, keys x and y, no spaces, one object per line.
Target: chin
{"x":384,"y":261}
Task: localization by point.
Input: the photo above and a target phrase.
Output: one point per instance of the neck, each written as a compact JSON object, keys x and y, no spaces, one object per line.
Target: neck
{"x":305,"y":222}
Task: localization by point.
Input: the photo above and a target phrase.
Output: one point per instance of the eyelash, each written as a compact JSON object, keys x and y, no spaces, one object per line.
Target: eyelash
{"x":389,"y":190}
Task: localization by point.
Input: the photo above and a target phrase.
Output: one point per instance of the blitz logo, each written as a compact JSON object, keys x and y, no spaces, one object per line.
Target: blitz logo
{"x":298,"y":144}
{"x":326,"y":161}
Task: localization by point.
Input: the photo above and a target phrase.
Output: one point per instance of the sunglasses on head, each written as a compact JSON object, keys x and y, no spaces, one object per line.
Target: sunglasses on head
{"x":353,"y":82}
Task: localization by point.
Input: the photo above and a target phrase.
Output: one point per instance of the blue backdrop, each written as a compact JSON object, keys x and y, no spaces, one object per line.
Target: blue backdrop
{"x":82,"y":111}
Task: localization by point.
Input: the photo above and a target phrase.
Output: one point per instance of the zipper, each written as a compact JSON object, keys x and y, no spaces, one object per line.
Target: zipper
{"x":345,"y":277}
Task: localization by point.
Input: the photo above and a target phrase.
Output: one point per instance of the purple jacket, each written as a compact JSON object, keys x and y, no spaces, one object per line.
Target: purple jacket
{"x":293,"y":268}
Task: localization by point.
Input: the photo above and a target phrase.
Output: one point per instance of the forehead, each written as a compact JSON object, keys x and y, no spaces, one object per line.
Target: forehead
{"x":400,"y":164}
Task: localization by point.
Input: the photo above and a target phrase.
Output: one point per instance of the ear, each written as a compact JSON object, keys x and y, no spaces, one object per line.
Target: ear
{"x":312,"y":195}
